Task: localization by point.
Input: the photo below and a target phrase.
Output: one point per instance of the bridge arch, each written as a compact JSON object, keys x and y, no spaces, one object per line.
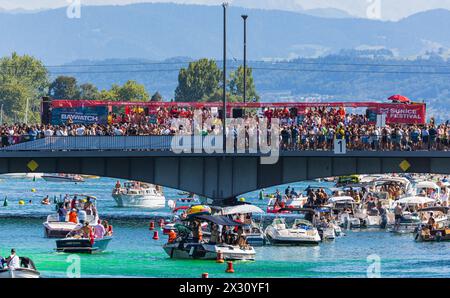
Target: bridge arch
{"x":222,"y":176}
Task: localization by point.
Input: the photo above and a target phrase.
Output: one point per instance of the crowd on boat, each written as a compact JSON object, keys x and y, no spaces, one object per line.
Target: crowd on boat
{"x":315,"y":129}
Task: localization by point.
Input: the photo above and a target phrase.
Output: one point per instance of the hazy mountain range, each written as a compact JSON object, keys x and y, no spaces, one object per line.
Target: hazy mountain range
{"x":160,"y":31}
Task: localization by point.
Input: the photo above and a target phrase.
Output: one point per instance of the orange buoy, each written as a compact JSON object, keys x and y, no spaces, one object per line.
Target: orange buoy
{"x":219,"y":258}
{"x":230,"y":268}
{"x":152,"y":225}
{"x":161,"y":222}
{"x":155,"y":235}
{"x":205,"y":275}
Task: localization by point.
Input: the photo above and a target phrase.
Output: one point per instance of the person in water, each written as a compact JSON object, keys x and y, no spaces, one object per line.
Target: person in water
{"x":45,"y":201}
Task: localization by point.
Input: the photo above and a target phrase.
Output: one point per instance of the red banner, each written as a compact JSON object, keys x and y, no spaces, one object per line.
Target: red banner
{"x":395,"y":112}
{"x":402,"y":113}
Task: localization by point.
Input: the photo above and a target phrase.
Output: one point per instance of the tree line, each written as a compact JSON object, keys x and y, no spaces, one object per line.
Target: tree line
{"x":25,"y":79}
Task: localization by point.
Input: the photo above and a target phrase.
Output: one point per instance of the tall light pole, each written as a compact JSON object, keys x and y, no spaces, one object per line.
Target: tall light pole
{"x":224,"y":107}
{"x":244,"y":17}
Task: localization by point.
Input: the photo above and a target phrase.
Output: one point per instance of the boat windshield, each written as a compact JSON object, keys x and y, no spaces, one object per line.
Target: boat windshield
{"x":301,"y":224}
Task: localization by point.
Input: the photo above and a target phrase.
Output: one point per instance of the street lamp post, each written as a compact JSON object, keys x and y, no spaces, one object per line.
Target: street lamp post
{"x":244,"y":17}
{"x":224,"y":107}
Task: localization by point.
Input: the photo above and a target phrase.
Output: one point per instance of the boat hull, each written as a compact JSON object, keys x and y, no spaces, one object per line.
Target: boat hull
{"x":58,"y":229}
{"x":292,"y":241}
{"x":82,"y":245}
{"x":60,"y":179}
{"x":19,"y":273}
{"x":208,"y":252}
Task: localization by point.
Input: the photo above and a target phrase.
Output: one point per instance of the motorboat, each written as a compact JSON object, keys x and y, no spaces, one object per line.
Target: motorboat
{"x":428,"y":188}
{"x":208,"y":248}
{"x":27,"y":270}
{"x":53,"y":228}
{"x":410,"y":219}
{"x":62,"y":178}
{"x":294,"y":202}
{"x":327,"y":227}
{"x":440,"y":231}
{"x":344,"y":207}
{"x":138,"y":194}
{"x":82,"y":245}
{"x":301,"y":232}
{"x":405,"y":185}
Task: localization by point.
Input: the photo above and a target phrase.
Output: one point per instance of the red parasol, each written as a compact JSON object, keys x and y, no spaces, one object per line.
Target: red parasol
{"x":400,"y":98}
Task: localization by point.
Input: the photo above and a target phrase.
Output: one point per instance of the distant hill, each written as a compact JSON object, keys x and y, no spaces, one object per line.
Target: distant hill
{"x":160,"y":31}
{"x":351,"y":75}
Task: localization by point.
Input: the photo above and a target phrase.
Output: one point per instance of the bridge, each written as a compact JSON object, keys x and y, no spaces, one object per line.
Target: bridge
{"x":219,"y":176}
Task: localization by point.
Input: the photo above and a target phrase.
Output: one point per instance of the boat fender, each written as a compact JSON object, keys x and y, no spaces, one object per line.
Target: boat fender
{"x":91,"y":237}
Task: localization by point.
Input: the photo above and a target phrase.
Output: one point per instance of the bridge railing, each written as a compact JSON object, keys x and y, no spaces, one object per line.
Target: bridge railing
{"x":171,"y":143}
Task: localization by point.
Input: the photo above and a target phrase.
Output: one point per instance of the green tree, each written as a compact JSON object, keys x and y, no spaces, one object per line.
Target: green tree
{"x":89,"y":91}
{"x":156,"y":97}
{"x":236,"y":84}
{"x":64,"y":87}
{"x":131,"y":91}
{"x":198,"y":81}
{"x":22,"y":79}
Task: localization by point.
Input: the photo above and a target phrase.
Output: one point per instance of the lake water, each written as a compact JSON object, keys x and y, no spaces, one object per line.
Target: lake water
{"x":133,"y":252}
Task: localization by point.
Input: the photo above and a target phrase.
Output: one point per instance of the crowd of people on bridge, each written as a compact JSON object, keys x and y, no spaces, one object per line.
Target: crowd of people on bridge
{"x":315,"y":129}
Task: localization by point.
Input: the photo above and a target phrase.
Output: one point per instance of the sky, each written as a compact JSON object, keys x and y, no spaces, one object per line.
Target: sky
{"x":375,"y":9}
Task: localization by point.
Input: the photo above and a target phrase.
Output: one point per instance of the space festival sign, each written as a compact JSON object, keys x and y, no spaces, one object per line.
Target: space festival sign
{"x":80,"y":115}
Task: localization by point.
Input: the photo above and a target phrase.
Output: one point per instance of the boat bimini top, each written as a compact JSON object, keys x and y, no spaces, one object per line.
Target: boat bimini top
{"x":219,"y":220}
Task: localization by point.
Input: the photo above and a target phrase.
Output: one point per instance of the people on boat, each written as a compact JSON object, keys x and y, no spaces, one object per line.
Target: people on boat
{"x":173,"y":236}
{"x":215,"y":234}
{"x":431,"y":222}
{"x":118,"y":185}
{"x":99,"y":230}
{"x":398,"y":214}
{"x":62,"y":213}
{"x":73,"y":202}
{"x":82,"y":231}
{"x":82,"y":216}
{"x":197,"y":233}
{"x":13,"y":261}
{"x":108,"y":228}
{"x":73,"y":216}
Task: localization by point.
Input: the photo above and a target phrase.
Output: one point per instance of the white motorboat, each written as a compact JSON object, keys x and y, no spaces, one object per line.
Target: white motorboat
{"x":53,"y":228}
{"x":301,"y":232}
{"x":138,"y":194}
{"x":27,"y":270}
{"x":62,"y":178}
{"x":428,"y":188}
